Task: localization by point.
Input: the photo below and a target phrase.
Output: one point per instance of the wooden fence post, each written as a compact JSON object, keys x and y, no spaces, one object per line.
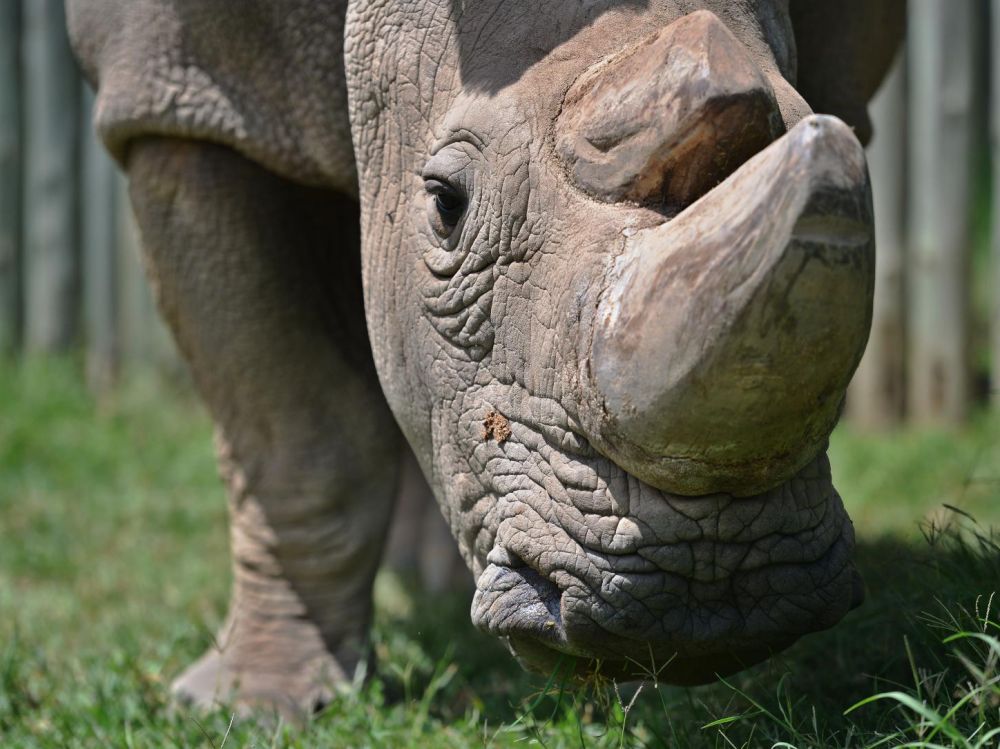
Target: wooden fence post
{"x":995,"y":139}
{"x":941,"y":65}
{"x":877,"y":395}
{"x":10,"y":174}
{"x":99,"y":234}
{"x":51,"y":260}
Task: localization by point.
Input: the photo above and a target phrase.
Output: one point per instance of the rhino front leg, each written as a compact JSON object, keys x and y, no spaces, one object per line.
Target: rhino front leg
{"x":259,"y":280}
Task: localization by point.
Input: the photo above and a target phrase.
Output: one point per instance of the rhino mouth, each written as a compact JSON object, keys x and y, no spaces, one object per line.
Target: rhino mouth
{"x":725,"y":583}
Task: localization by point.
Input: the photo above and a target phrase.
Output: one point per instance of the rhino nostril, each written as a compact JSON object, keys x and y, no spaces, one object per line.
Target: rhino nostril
{"x":670,"y":118}
{"x":503,"y":557}
{"x":512,"y":599}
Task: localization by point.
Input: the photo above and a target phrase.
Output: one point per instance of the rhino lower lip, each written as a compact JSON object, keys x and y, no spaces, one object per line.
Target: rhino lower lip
{"x":523,"y":609}
{"x":669,"y":668}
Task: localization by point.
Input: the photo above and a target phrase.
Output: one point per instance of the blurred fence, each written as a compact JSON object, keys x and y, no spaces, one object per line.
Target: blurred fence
{"x":70,"y":276}
{"x":935,"y":347}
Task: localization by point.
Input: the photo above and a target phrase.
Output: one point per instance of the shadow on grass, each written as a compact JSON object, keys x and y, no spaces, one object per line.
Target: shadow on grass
{"x":918,"y":594}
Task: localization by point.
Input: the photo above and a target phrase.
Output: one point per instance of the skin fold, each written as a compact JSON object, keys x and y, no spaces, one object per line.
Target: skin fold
{"x":596,"y":261}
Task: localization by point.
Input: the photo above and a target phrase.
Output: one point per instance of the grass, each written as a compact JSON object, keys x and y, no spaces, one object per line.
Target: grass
{"x":113,"y":575}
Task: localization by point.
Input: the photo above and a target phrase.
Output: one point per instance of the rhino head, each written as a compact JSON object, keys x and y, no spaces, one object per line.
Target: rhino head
{"x":617,"y":278}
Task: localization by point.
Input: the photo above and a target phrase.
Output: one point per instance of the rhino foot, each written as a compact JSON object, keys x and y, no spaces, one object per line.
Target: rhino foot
{"x":290,"y":675}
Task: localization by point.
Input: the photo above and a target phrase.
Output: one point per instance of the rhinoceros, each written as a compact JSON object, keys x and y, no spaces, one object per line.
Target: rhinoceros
{"x":596,"y":262}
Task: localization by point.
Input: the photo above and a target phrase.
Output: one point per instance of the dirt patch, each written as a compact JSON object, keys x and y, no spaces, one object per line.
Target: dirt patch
{"x":496,"y":426}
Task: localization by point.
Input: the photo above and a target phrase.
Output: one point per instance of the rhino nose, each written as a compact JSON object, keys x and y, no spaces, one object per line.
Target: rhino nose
{"x":668,"y":119}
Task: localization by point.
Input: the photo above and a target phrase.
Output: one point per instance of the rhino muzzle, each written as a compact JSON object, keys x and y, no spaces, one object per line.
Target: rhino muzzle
{"x":729,"y":323}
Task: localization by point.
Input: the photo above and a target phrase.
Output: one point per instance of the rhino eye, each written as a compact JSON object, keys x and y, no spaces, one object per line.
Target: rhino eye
{"x":446,"y":206}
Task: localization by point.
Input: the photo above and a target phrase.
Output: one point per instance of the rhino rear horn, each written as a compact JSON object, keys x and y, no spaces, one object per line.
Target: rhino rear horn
{"x":668,"y":119}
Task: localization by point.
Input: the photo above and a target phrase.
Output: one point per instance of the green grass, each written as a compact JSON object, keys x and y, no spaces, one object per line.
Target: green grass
{"x":113,"y":575}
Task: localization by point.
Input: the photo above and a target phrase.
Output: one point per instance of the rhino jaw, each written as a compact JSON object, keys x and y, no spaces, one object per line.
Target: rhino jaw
{"x":726,"y":337}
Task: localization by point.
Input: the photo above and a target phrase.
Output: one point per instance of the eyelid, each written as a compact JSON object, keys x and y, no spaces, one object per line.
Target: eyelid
{"x":442,"y":170}
{"x":437,"y":178}
{"x":436,"y":186}
{"x":451,"y":166}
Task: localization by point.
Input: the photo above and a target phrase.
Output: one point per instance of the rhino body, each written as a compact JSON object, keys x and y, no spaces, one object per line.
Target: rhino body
{"x":596,"y":263}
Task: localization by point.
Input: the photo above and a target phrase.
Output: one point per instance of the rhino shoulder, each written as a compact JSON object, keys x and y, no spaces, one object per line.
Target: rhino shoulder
{"x":264,"y":78}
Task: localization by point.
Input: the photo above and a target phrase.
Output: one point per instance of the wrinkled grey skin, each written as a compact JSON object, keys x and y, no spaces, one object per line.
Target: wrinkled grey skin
{"x":690,"y":536}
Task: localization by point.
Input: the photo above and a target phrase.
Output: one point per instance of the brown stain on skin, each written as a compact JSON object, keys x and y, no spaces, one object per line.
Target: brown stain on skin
{"x":496,"y":426}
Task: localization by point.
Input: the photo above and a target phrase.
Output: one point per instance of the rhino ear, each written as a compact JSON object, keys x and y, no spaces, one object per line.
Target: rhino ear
{"x":845,"y":49}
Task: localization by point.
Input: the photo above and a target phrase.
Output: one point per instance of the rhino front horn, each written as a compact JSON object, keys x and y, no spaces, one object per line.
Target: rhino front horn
{"x":668,"y":119}
{"x":726,"y":337}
